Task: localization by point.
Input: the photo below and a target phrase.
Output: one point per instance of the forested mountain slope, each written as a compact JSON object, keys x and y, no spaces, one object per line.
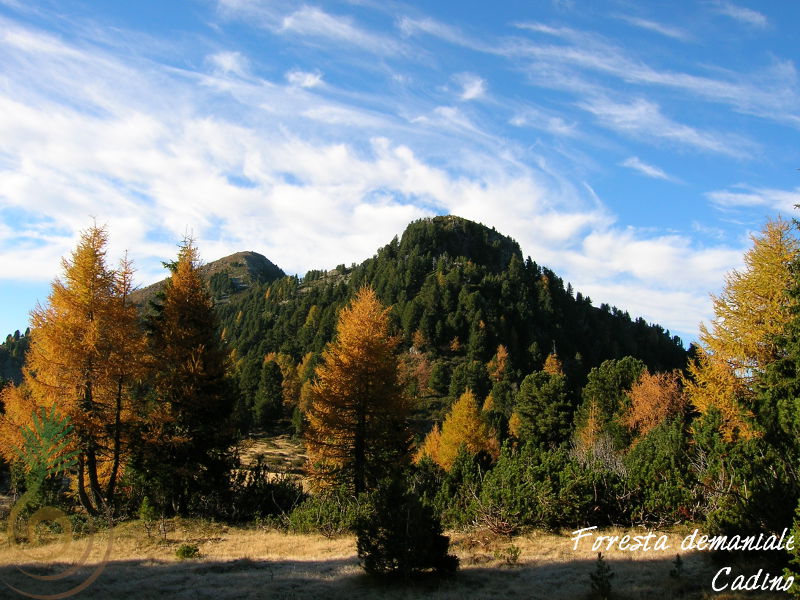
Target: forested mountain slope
{"x":457,"y":291}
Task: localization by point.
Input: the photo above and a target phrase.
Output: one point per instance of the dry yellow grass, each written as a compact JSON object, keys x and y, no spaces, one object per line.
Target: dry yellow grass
{"x":255,"y":563}
{"x":283,"y":453}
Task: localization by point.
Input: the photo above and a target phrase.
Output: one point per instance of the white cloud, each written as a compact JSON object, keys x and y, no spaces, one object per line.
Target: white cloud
{"x":229,"y":62}
{"x":410,"y":27}
{"x":304,"y":79}
{"x":744,"y":15}
{"x":771,"y":93}
{"x":316,"y":23}
{"x":707,"y":230}
{"x":748,"y":196}
{"x":636,"y":164}
{"x":644,"y":120}
{"x":666,"y":30}
{"x":472,"y":86}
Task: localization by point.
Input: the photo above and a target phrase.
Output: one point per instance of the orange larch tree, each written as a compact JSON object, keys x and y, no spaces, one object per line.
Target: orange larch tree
{"x":357,"y":431}
{"x":86,"y":351}
{"x":654,"y":399}
{"x":463,"y":427}
{"x":741,"y":340}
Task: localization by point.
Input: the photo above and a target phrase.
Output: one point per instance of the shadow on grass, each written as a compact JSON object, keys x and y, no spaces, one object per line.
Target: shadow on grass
{"x":342,"y":578}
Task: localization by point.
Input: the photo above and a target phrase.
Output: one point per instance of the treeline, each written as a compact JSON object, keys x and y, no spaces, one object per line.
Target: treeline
{"x":715,"y":443}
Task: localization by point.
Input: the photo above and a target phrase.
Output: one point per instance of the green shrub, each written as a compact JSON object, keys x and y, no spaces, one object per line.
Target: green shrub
{"x":397,"y":534}
{"x":149,"y":515}
{"x":510,"y":555}
{"x":532,"y":487}
{"x":330,"y":514}
{"x":455,"y":501}
{"x":749,"y":486}
{"x":258,"y":493}
{"x":186,"y":551}
{"x":658,"y":476}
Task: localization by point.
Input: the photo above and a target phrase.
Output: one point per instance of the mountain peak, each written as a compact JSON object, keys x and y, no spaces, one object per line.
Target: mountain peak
{"x":247,"y":267}
{"x":460,"y":237}
{"x":225,"y":276}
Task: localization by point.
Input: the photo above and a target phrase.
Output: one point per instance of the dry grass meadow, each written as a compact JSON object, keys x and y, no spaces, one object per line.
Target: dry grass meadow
{"x":250,"y":563}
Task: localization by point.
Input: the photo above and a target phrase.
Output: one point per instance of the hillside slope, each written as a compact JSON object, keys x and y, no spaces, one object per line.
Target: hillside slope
{"x":457,"y":291}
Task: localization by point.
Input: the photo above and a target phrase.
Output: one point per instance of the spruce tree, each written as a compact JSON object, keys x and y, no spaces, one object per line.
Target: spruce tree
{"x":545,"y":406}
{"x":269,"y":395}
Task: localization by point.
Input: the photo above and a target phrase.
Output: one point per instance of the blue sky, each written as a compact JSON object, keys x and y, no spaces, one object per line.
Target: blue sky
{"x":630,"y":146}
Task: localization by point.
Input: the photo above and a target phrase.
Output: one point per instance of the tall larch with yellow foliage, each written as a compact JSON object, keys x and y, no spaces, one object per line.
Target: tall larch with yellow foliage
{"x":749,"y":314}
{"x":356,"y":432}
{"x":463,"y":427}
{"x":86,"y":352}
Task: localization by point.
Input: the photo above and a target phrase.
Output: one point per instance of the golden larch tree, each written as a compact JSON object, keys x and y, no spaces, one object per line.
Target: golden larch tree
{"x":713,"y":385}
{"x":430,"y":446}
{"x":185,"y":449}
{"x":463,"y":427}
{"x":589,"y":434}
{"x":18,"y":410}
{"x":654,"y":399}
{"x":515,"y":425}
{"x":753,"y":307}
{"x":86,"y":351}
{"x":553,"y":365}
{"x":749,"y":314}
{"x":290,"y":385}
{"x":357,"y":430}
{"x":500,"y":364}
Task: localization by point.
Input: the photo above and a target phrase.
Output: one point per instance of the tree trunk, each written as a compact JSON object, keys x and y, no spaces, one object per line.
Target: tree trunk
{"x":82,"y":496}
{"x":112,"y":481}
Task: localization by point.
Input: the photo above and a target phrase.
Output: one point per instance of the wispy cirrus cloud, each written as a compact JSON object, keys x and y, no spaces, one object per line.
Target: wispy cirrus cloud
{"x":746,"y":196}
{"x":428,"y":26}
{"x":472,"y":86}
{"x":745,"y":15}
{"x":314,"y":22}
{"x":527,"y":115}
{"x":304,"y":79}
{"x":665,"y":30}
{"x":635,"y":163}
{"x":773,"y":93}
{"x":644,"y":120}
{"x":229,"y":62}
